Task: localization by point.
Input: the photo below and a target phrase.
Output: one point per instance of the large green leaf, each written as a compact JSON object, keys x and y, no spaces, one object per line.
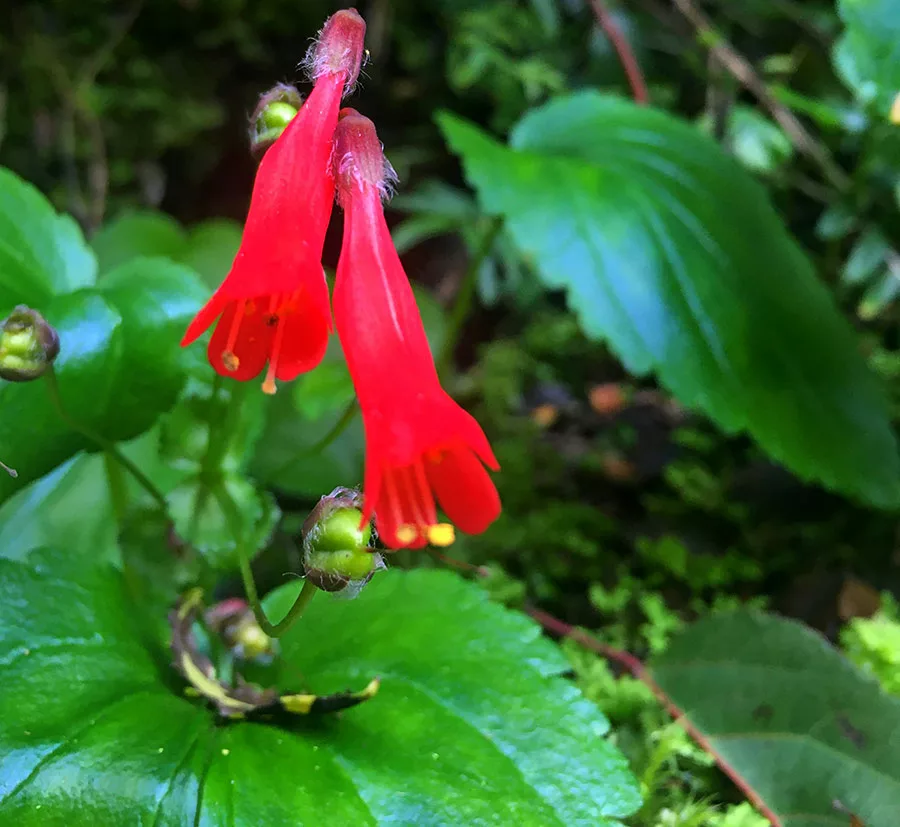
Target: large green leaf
{"x":674,"y":255}
{"x":473,"y":724}
{"x":41,"y":253}
{"x":209,"y":248}
{"x":70,"y":507}
{"x":120,"y":366}
{"x":802,"y":725}
{"x":868,"y":55}
{"x":138,"y":234}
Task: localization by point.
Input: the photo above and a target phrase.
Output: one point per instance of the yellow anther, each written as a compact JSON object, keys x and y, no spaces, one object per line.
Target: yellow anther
{"x":407,"y":534}
{"x":268,"y":386}
{"x":230,"y":361}
{"x":441,"y":534}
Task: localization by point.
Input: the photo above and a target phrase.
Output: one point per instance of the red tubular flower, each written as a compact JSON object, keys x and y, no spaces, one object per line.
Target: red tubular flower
{"x":273,"y":305}
{"x":419,"y":443}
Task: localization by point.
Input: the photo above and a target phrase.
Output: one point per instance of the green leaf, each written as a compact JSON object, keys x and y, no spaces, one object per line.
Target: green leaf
{"x":473,"y":723}
{"x":673,"y":254}
{"x":324,"y":391}
{"x":867,"y":257}
{"x":208,"y":249}
{"x":758,"y":143}
{"x":209,"y":406}
{"x":70,"y":507}
{"x":120,"y":366}
{"x":141,"y":233}
{"x":211,"y":248}
{"x":286,"y":457}
{"x":791,"y":715}
{"x":204,"y":515}
{"x":41,"y":253}
{"x":868,"y":55}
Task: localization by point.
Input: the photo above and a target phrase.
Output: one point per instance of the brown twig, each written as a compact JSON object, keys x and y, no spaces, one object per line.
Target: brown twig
{"x":639,"y":671}
{"x":623,"y":50}
{"x":742,"y":70}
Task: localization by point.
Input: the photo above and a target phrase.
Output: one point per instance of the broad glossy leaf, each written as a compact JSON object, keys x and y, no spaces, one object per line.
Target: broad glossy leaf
{"x":69,"y":507}
{"x":473,"y":723}
{"x":208,"y":248}
{"x":800,"y":723}
{"x":868,"y":55}
{"x":41,"y":253}
{"x":120,"y":366}
{"x":72,"y":508}
{"x":673,"y":254}
{"x":136,"y":234}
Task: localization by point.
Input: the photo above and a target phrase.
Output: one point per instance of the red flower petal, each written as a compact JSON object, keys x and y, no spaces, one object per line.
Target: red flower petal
{"x":464,"y":489}
{"x":275,"y":291}
{"x":419,"y":442}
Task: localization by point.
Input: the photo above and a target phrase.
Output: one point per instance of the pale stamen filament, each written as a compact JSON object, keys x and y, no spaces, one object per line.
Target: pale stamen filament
{"x":414,"y":484}
{"x":229,"y":359}
{"x":406,"y":533}
{"x":268,"y":385}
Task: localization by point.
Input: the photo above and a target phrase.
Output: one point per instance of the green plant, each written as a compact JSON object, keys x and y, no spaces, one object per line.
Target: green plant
{"x":653,"y":310}
{"x":873,"y":644}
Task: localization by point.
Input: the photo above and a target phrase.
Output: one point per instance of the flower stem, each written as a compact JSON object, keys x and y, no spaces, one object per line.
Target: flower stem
{"x":222,"y":431}
{"x":466,"y":294}
{"x":623,"y":49}
{"x":336,"y":430}
{"x":107,"y":445}
{"x":229,"y":508}
{"x":118,"y":489}
{"x":294,"y":613}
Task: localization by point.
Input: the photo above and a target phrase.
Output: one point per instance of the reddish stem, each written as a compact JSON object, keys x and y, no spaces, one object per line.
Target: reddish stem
{"x":639,"y":671}
{"x":623,"y":50}
{"x":461,"y":565}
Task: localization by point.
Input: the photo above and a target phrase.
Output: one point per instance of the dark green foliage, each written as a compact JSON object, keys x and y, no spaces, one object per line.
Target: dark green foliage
{"x":625,"y":509}
{"x":141,"y":750}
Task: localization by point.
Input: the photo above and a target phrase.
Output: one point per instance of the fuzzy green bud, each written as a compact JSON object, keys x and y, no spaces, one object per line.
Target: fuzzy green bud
{"x":275,"y":110}
{"x":337,"y":555}
{"x":28,"y":345}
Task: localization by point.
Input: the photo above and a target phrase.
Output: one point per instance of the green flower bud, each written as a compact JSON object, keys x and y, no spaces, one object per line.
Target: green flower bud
{"x":337,"y":556}
{"x":28,"y":345}
{"x":275,"y":110}
{"x":277,"y":115}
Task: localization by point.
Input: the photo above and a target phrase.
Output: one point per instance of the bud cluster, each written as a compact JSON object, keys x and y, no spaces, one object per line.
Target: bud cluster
{"x":337,"y":552}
